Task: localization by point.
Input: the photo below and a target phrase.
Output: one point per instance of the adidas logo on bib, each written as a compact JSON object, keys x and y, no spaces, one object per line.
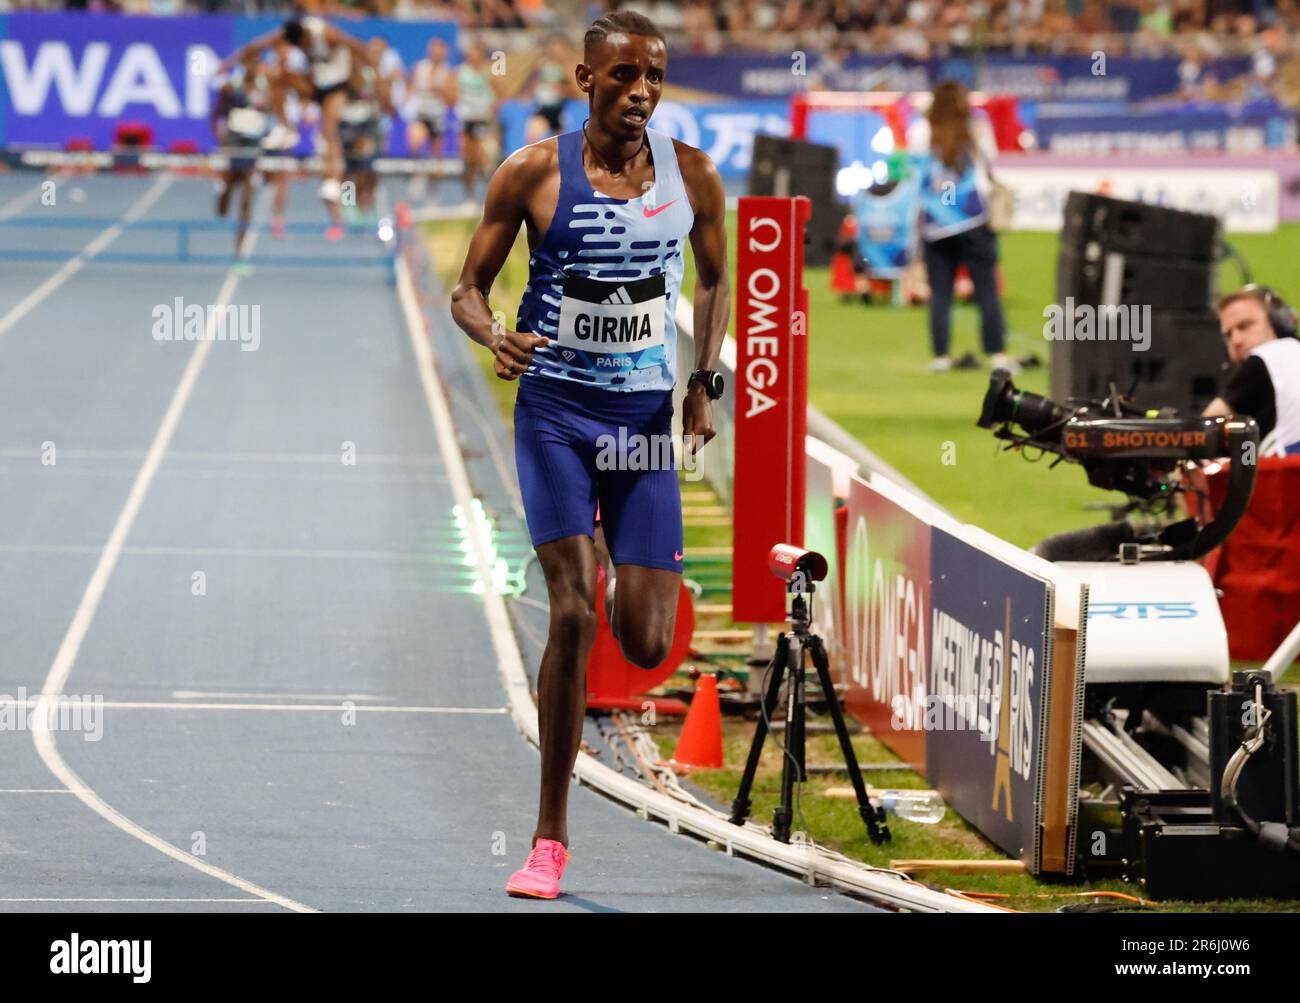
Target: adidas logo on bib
{"x":612,"y":319}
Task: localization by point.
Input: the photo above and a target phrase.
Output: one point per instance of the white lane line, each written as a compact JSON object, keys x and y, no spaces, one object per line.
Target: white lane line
{"x":334,"y":708}
{"x":17,"y":204}
{"x":321,"y":459}
{"x":370,"y":479}
{"x":227,"y":695}
{"x":510,"y":666}
{"x":229,"y":901}
{"x":449,"y":554}
{"x":73,"y":265}
{"x":66,"y":656}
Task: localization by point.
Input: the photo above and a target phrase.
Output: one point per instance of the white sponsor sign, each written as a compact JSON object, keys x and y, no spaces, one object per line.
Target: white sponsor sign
{"x":1246,"y":200}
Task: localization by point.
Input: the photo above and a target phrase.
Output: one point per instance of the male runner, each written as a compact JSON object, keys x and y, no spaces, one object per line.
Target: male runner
{"x":244,"y":122}
{"x":608,"y":210}
{"x":330,"y":53}
{"x":363,"y":130}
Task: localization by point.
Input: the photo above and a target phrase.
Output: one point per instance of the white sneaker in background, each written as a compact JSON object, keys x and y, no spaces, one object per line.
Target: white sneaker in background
{"x":940,"y":364}
{"x":281,"y":137}
{"x":1003,"y":361}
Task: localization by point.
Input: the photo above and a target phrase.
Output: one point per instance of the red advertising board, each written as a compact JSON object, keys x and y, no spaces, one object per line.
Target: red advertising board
{"x":887,"y":620}
{"x":771,"y":398}
{"x":820,"y":535}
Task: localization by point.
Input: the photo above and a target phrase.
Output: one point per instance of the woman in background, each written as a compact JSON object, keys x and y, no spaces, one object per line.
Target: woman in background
{"x":952,"y":153}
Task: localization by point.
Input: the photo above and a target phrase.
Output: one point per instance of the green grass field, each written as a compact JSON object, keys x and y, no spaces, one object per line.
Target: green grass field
{"x":868,"y":372}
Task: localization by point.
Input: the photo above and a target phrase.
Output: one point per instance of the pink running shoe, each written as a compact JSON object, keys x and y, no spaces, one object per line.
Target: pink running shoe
{"x":540,"y":877}
{"x":277,"y":227}
{"x":334,"y":233}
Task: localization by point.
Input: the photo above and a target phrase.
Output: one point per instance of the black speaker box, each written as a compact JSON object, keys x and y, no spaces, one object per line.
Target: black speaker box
{"x":1099,"y":276}
{"x":789,"y":167}
{"x":1183,"y":367}
{"x":1138,"y":228}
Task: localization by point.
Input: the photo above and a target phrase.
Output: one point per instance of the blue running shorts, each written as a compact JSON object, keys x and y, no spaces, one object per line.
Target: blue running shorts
{"x":576,"y":445}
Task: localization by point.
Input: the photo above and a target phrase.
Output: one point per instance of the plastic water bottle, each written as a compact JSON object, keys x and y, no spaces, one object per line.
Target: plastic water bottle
{"x":914,"y":806}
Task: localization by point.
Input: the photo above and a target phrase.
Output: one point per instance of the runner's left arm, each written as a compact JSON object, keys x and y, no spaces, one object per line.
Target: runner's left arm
{"x":256,"y":45}
{"x":712,"y":287}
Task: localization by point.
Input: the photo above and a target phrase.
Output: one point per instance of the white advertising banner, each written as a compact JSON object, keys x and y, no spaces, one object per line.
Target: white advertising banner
{"x":1246,"y":200}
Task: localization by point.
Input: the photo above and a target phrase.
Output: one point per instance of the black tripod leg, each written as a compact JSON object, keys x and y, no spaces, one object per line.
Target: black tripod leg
{"x":740,"y":806}
{"x":792,"y":761}
{"x":877,"y":829}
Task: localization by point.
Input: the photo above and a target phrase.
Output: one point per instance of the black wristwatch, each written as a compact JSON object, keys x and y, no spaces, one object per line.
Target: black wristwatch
{"x":711,"y":381}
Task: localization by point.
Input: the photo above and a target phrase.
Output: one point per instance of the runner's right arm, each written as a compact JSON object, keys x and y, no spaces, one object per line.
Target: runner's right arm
{"x":503,"y":213}
{"x":337,"y":36}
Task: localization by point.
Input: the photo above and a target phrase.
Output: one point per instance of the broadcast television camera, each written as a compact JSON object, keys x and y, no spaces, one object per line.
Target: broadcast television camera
{"x":1163,"y":721}
{"x":1139,"y":452}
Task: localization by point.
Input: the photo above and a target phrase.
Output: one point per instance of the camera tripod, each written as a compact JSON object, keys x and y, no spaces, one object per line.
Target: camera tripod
{"x":790,"y":648}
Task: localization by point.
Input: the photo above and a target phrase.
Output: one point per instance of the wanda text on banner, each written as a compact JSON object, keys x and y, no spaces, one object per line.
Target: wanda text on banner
{"x":79,"y":75}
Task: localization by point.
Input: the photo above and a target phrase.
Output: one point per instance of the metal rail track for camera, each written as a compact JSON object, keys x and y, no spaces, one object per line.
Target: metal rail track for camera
{"x":1183,"y":748}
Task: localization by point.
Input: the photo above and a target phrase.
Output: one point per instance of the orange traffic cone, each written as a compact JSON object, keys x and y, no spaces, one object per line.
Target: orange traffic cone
{"x":701,"y":743}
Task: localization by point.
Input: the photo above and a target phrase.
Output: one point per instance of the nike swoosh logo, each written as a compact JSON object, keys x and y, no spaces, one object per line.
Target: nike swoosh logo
{"x":651,"y":213}
{"x":677,"y":555}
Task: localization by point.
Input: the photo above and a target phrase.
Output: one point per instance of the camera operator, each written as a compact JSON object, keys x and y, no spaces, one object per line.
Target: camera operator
{"x":1259,"y":329}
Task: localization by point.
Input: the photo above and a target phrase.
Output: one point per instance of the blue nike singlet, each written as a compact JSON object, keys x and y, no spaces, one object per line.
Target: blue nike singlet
{"x":604,"y":280}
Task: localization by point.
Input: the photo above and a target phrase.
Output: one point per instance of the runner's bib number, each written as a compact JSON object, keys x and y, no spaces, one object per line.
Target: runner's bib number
{"x":359,"y":112}
{"x":612,"y":317}
{"x":334,"y":71}
{"x":247,"y":122}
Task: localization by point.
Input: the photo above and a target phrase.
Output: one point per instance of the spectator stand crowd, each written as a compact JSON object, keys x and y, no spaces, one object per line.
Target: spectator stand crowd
{"x":1195,"y":31}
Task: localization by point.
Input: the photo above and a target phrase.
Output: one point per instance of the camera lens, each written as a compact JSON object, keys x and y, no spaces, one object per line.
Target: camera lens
{"x":1033,"y":412}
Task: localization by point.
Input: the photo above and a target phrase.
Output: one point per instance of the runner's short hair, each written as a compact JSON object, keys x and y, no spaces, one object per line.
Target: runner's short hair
{"x":621,"y":22}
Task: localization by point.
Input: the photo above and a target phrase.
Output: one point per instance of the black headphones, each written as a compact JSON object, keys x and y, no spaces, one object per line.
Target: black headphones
{"x":1281,"y":316}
